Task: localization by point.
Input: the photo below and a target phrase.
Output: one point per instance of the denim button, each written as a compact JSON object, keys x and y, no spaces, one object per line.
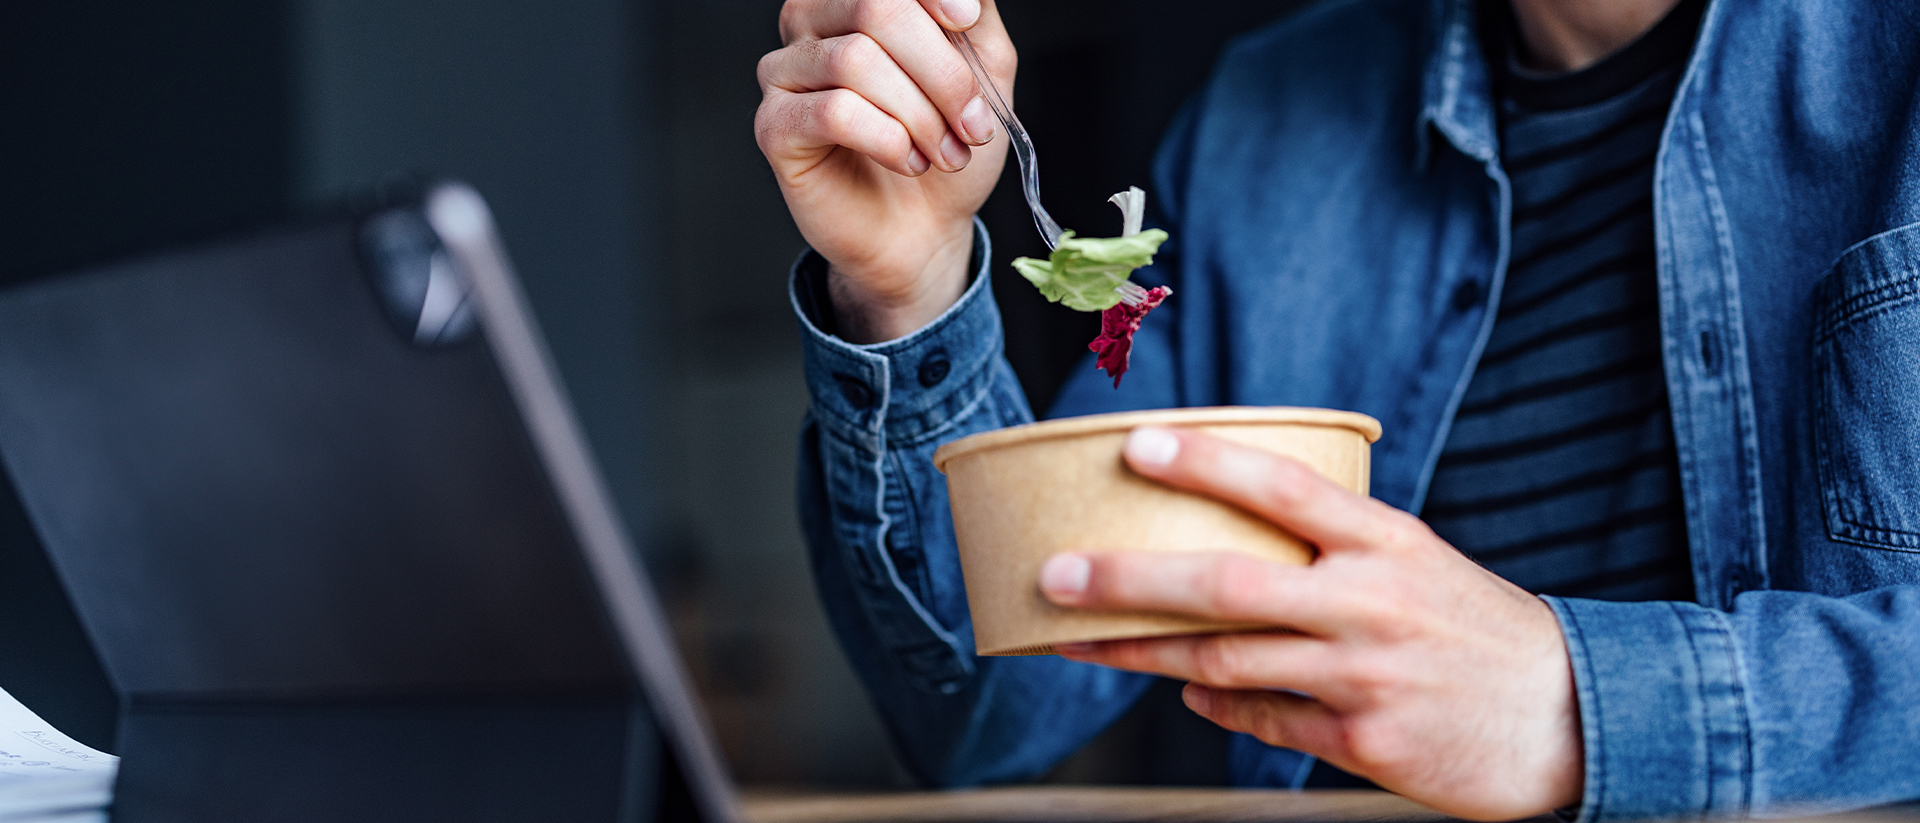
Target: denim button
{"x":857,"y":393}
{"x":934,"y":370}
{"x":1467,"y":296}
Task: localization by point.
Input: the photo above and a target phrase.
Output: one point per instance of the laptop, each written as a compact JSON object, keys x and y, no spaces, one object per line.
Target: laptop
{"x":325,"y":512}
{"x":328,"y":518}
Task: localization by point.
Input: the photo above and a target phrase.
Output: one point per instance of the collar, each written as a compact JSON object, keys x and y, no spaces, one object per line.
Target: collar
{"x":1456,"y":98}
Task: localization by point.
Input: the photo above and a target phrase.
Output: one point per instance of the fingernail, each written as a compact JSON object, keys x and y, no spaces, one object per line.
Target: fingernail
{"x":1149,"y":446}
{"x":954,"y":152}
{"x":1065,"y":575}
{"x":1199,"y":698}
{"x":918,"y":163}
{"x":978,"y":120}
{"x":961,"y":13}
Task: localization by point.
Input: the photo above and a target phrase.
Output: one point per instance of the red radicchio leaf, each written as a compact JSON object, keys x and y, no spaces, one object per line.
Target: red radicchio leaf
{"x":1117,"y":325}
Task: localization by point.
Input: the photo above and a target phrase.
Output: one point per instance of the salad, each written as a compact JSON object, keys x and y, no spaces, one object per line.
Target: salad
{"x":1093,"y":274}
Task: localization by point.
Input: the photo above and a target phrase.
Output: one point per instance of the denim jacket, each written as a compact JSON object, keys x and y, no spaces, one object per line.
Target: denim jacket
{"x":1340,"y":225}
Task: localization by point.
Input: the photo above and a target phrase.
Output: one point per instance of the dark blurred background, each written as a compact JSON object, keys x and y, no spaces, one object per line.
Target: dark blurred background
{"x":614,"y":140}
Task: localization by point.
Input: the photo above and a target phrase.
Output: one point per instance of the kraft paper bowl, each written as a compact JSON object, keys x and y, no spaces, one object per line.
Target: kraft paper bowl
{"x":1023,"y":494}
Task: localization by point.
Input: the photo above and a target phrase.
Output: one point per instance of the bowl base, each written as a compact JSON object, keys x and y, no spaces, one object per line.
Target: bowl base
{"x":1034,"y":650}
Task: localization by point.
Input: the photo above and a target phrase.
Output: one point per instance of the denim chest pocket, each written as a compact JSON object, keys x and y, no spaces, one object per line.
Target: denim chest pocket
{"x":1867,"y":353}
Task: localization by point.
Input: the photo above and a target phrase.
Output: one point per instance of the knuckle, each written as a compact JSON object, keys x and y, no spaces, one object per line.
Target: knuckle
{"x":1382,"y":612}
{"x":791,"y":14}
{"x":1118,"y":654}
{"x":778,"y":122}
{"x":1375,"y":745}
{"x":999,"y":56}
{"x":1390,"y":620}
{"x":1271,"y":730}
{"x":1128,"y":654}
{"x":1366,"y":675}
{"x":954,"y":84}
{"x":770,"y":121}
{"x":1235,"y":588}
{"x":1288,"y":485}
{"x":1219,"y":664}
{"x":764,"y":70}
{"x":926,"y":124}
{"x":924,"y":121}
{"x":853,"y":57}
{"x":763,"y":127}
{"x":871,"y":15}
{"x":1402,"y":532}
{"x":837,"y":113}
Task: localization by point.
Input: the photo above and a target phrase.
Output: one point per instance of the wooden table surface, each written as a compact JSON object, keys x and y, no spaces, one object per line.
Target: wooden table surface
{"x":1086,"y":804}
{"x":1100,"y":804}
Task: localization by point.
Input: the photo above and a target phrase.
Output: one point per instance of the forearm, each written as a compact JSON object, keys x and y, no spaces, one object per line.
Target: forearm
{"x":1791,"y":703}
{"x":881,"y":540}
{"x":955,"y":719}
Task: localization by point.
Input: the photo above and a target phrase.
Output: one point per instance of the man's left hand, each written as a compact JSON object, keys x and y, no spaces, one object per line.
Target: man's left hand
{"x":1393,"y":656}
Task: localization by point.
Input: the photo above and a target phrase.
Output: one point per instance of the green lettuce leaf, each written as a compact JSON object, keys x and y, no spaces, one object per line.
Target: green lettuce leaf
{"x":1084,"y":271}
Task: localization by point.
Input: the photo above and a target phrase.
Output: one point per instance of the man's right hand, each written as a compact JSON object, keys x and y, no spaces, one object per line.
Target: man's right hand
{"x":884,"y":149}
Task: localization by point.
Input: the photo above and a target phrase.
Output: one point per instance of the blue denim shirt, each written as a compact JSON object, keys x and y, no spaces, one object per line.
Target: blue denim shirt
{"x":1340,"y":224}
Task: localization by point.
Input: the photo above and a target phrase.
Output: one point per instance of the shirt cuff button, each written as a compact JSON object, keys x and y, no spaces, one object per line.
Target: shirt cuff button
{"x":857,"y":393}
{"x":934,"y":370}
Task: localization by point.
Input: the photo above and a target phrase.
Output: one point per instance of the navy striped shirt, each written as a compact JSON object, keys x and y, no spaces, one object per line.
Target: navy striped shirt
{"x":1560,"y":472}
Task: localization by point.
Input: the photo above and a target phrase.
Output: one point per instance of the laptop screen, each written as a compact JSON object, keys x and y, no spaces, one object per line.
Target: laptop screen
{"x":329,"y":464}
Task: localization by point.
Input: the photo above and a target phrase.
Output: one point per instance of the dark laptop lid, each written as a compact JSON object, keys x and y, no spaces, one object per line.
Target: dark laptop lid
{"x":330,"y":461}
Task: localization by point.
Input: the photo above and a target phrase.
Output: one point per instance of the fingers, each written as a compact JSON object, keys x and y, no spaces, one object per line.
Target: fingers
{"x":957,"y":15}
{"x":1223,"y":586}
{"x":801,"y":128}
{"x":1280,"y":489}
{"x":912,"y":35}
{"x":802,"y":18}
{"x":1277,"y":718}
{"x":856,"y":62}
{"x":1263,"y":660}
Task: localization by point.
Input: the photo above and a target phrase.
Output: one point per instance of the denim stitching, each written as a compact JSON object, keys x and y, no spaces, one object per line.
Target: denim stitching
{"x":906,"y":502}
{"x":1877,"y":279}
{"x":1738,"y":377}
{"x":1872,"y":303}
{"x":1849,"y":312}
{"x":958,"y":418}
{"x":1705,"y":732}
{"x":1738,"y":688}
{"x":1593,"y":753}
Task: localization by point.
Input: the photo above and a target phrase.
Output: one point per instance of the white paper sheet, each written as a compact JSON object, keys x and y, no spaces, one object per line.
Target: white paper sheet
{"x":47,"y":776}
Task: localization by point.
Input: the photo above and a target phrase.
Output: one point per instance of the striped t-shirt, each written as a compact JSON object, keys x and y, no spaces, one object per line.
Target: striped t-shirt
{"x":1560,"y":472}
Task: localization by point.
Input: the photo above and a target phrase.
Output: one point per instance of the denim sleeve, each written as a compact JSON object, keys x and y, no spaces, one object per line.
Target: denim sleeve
{"x":880,"y":537}
{"x":1790,"y":703}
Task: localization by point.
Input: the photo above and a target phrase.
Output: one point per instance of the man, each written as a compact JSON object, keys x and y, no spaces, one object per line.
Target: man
{"x":1630,"y":284}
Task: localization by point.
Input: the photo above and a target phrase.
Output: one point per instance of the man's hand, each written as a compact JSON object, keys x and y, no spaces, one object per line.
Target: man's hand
{"x":1393,"y":655}
{"x":884,"y":149}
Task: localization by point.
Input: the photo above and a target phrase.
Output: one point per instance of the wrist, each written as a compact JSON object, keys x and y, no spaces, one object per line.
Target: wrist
{"x":874,"y":309}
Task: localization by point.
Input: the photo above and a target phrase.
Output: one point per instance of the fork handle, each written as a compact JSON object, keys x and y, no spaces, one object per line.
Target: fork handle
{"x":1022,"y":144}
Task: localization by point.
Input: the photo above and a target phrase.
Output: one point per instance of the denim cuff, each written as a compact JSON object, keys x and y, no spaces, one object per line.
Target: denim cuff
{"x":1663,"y":710}
{"x":905,"y":391}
